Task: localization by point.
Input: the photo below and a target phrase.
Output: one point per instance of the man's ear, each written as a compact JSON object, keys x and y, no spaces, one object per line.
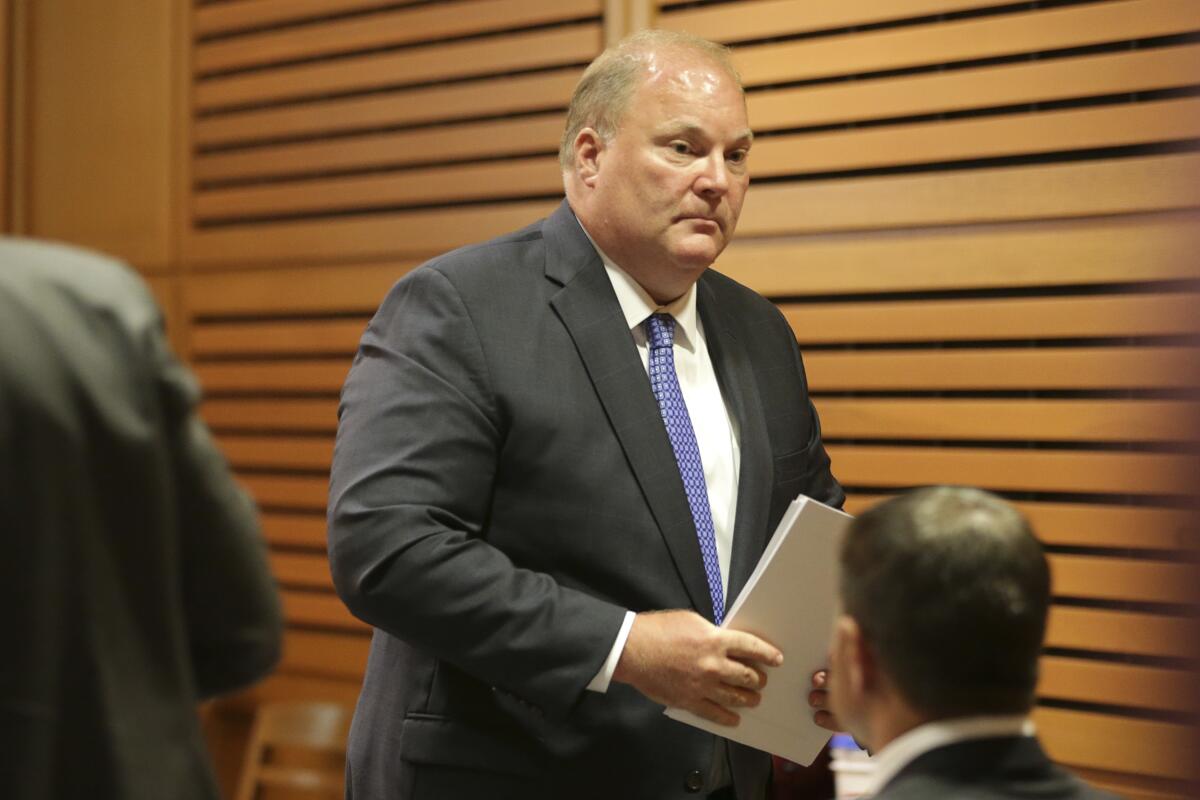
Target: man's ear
{"x":857,"y":659}
{"x":588,"y":148}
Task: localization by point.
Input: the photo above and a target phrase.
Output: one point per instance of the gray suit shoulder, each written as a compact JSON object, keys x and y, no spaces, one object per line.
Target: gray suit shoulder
{"x":31,"y":271}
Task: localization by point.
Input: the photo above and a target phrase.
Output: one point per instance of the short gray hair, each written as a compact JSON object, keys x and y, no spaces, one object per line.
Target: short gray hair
{"x":606,"y":88}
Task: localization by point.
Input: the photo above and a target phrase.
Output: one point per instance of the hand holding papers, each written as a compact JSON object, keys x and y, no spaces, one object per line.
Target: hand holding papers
{"x":788,"y":601}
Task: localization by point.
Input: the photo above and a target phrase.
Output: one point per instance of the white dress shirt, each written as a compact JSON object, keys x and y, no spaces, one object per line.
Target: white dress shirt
{"x":716,"y":431}
{"x":904,"y":749}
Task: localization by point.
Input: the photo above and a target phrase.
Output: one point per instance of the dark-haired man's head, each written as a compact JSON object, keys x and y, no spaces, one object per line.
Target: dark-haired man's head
{"x":944,"y":593}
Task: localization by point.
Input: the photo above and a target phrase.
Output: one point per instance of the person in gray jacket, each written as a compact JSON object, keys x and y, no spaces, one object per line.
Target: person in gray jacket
{"x":134,"y":581}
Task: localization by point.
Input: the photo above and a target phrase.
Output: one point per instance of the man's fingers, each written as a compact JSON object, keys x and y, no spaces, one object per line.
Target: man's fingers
{"x":825,"y":720}
{"x":817,"y":698}
{"x":714,"y":712}
{"x":733,"y":697}
{"x":747,"y":647}
{"x":819,"y":679}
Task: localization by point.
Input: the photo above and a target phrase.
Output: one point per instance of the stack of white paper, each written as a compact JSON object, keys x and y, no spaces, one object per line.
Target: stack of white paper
{"x":789,"y":601}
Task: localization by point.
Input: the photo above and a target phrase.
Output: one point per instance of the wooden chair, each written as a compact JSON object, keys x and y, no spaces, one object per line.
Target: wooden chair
{"x":296,"y":749}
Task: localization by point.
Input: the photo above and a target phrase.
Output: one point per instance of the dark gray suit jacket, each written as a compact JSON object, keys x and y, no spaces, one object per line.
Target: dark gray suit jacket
{"x":503,"y":488}
{"x":1001,"y":768}
{"x":132,"y":580}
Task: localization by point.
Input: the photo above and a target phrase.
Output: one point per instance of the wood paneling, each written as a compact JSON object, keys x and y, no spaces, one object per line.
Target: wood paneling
{"x":963,"y":40}
{"x":100,"y":127}
{"x":482,"y":98}
{"x":982,"y":87}
{"x":7,"y":37}
{"x":422,"y":64}
{"x":389,"y":29}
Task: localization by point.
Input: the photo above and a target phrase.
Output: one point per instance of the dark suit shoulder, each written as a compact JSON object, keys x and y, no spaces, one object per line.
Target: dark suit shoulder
{"x":463,"y":264}
{"x":1001,"y":768}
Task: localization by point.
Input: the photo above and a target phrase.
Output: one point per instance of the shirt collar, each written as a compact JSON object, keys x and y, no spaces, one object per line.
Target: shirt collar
{"x":637,"y":304}
{"x":906,"y":748}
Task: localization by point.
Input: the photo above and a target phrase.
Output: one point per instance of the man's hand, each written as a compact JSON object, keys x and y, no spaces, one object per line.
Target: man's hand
{"x":818,"y":698}
{"x":680,"y":659}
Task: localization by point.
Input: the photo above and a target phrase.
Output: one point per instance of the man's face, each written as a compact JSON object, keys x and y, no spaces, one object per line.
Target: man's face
{"x":670,"y":183}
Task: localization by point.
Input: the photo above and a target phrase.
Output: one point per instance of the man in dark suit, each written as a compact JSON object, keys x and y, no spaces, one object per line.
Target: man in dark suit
{"x":933,"y":665}
{"x":559,"y":453}
{"x":133,"y":580}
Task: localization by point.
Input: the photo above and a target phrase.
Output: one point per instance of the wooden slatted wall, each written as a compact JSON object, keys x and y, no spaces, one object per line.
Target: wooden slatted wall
{"x":332,"y":146}
{"x":980,"y":218}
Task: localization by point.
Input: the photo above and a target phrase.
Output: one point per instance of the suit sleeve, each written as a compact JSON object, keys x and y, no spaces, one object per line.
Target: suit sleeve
{"x":233,"y":616}
{"x":413,"y":469}
{"x":819,"y":481}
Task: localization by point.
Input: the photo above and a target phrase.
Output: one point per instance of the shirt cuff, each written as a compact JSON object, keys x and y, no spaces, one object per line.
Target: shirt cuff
{"x":604,"y":676}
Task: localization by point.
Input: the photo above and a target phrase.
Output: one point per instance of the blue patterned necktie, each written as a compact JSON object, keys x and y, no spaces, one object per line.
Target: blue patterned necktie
{"x":660,"y":332}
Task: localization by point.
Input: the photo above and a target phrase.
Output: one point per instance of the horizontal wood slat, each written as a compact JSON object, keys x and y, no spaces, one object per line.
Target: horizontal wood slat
{"x":306,"y":530}
{"x":1115,"y":684}
{"x":302,"y":570}
{"x":288,"y":452}
{"x":964,"y":40}
{"x":215,"y":18}
{"x":555,"y":47}
{"x":412,"y":234}
{"x":311,"y":337}
{"x":771,"y":18}
{"x":516,"y":177}
{"x":475,"y":99}
{"x":1082,"y":251}
{"x":331,"y":654}
{"x":1119,"y":632}
{"x":1089,"y":524}
{"x":1108,"y":578}
{"x":981,"y":87}
{"x":386,"y":29}
{"x":257,"y":414}
{"x":509,"y":137}
{"x":325,"y":375}
{"x":990,"y":137}
{"x":318,"y":609}
{"x":288,"y":491}
{"x":1001,"y":194}
{"x":1105,"y":316}
{"x":329,"y":288}
{"x":1045,"y":368}
{"x":1017,"y":420}
{"x":1014,"y":470}
{"x":1116,"y":743}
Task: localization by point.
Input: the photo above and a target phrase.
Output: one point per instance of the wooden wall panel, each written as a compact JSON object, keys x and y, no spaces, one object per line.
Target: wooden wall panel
{"x":7,"y":36}
{"x":100,"y":126}
{"x":979,"y":220}
{"x":375,"y":132}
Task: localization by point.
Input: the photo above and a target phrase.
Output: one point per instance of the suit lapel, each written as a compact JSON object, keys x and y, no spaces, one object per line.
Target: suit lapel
{"x":735,"y":374}
{"x":589,"y":310}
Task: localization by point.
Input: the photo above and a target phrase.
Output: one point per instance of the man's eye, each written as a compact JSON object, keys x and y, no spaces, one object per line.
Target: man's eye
{"x":738,"y":157}
{"x":681,"y":148}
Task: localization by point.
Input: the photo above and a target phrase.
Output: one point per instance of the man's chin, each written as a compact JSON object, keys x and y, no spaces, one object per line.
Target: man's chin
{"x":698,"y":255}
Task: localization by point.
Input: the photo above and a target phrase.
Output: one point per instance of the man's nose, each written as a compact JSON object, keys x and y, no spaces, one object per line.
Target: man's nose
{"x":713,"y":181}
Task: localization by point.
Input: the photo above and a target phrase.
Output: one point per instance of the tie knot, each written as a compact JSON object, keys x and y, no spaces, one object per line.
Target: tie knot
{"x":660,"y":330}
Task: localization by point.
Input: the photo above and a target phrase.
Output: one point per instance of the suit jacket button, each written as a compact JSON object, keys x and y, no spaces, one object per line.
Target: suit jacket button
{"x":694,"y":781}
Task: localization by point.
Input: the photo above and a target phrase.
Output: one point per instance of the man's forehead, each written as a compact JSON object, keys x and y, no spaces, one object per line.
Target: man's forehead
{"x":691,"y":71}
